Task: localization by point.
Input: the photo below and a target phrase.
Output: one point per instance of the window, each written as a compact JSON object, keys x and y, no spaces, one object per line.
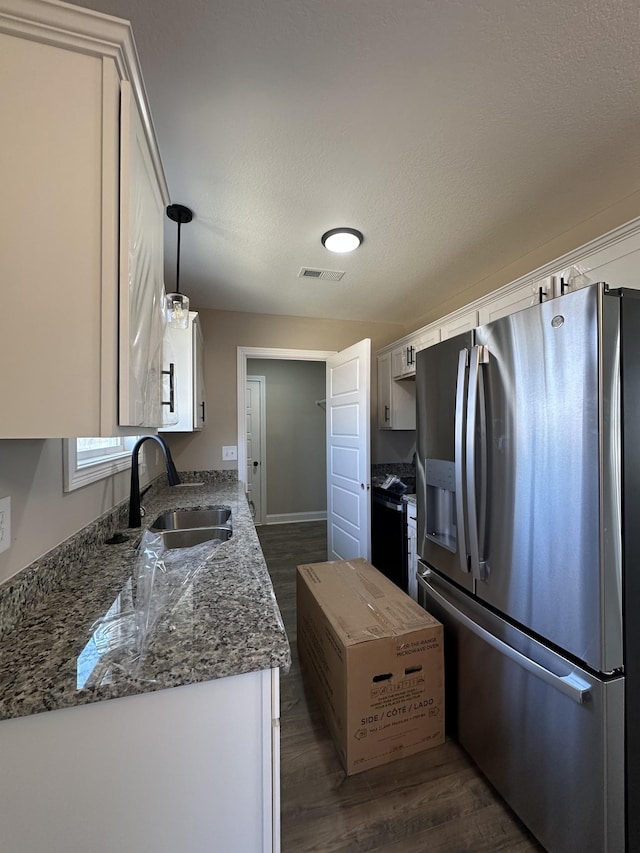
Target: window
{"x":89,"y":459}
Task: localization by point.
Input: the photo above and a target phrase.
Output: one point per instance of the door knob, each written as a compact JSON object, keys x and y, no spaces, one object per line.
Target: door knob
{"x":255,"y":464}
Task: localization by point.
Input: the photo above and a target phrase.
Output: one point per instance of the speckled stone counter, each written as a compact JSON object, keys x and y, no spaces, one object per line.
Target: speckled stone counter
{"x":92,"y":621}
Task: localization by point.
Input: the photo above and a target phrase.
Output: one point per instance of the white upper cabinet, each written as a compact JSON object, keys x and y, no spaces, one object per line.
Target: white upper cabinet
{"x":62,"y":70}
{"x":613,"y":258}
{"x":458,"y":324}
{"x":403,"y":358}
{"x":141,"y":274}
{"x":184,"y":401}
{"x":396,"y":400}
{"x":403,"y":361}
{"x":514,"y":299}
{"x":617,"y":263}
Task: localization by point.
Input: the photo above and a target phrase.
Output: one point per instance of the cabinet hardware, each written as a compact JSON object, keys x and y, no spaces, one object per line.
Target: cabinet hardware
{"x":202,"y":417}
{"x":564,"y":285}
{"x":171,"y":402}
{"x":386,"y":413}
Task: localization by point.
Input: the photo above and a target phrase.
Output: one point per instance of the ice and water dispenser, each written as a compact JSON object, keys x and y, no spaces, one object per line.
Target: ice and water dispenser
{"x":440,"y":503}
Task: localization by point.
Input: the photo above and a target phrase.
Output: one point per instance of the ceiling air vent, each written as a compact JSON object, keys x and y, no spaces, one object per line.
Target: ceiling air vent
{"x":330,"y":275}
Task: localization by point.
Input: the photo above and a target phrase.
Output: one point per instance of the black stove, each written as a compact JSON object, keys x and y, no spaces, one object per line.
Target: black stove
{"x":389,"y":527}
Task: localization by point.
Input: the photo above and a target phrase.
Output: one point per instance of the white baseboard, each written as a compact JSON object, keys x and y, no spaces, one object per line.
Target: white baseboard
{"x":292,"y":517}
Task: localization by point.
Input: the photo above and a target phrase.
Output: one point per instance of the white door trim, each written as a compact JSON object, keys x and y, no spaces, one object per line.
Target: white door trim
{"x":244,"y":353}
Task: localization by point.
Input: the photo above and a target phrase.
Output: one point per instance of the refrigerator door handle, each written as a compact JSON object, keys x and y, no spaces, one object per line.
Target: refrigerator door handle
{"x":571,"y":685}
{"x":463,"y":361}
{"x":479,"y":355}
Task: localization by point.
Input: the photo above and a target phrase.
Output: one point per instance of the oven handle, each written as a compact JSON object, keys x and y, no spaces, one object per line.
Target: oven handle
{"x":387,"y":504}
{"x":570,"y":685}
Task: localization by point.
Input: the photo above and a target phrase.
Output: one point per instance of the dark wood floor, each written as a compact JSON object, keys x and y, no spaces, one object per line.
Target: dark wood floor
{"x":436,"y":801}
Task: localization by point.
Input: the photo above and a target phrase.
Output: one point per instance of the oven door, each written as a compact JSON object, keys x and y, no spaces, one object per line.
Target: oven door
{"x":389,"y":538}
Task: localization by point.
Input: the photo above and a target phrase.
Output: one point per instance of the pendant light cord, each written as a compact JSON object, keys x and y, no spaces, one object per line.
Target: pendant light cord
{"x":178,"y":262}
{"x":179,"y":214}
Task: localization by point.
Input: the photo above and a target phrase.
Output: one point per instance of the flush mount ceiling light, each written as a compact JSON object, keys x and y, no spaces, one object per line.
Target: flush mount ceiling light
{"x":177,"y":304}
{"x":342,"y":240}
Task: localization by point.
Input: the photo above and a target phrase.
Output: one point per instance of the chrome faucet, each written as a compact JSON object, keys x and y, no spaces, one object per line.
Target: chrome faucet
{"x":135,"y":519}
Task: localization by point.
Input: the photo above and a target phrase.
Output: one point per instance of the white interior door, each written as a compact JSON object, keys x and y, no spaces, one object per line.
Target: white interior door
{"x":349,"y":453}
{"x":256,"y":474}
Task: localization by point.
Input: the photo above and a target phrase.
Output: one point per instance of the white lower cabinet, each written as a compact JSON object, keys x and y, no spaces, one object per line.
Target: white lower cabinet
{"x":184,"y":400}
{"x":396,"y":399}
{"x":194,"y":769}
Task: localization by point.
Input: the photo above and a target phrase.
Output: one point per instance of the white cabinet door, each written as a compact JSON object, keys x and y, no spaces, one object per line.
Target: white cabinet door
{"x":459,"y":324}
{"x":398,"y":362}
{"x":141,"y":274}
{"x":183,"y":370}
{"x":190,"y":769}
{"x":427,"y":338}
{"x":508,"y":303}
{"x":199,"y":393}
{"x":396,"y":398}
{"x":384,"y":391}
{"x":61,"y":69}
{"x":618,"y":265}
{"x":55,"y":123}
{"x":403,"y":360}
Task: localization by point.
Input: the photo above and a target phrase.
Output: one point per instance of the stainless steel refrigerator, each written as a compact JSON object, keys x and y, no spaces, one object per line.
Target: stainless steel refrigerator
{"x":528,"y":491}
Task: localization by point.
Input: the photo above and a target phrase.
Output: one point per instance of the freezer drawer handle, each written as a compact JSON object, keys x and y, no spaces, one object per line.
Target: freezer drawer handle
{"x":570,"y":685}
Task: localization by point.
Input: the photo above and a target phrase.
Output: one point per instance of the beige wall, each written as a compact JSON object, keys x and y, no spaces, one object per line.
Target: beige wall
{"x":295,"y":466}
{"x":592,"y":222}
{"x":42,"y":515}
{"x":224,"y":332}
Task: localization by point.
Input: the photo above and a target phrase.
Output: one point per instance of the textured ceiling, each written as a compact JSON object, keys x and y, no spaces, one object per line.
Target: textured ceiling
{"x":456,"y":135}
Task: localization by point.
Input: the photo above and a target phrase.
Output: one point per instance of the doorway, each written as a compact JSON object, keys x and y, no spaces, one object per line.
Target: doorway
{"x":292,"y":468}
{"x":348,"y":375}
{"x":244,"y":354}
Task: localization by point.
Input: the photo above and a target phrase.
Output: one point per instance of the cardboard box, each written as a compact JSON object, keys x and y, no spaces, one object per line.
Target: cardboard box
{"x":374,"y":659}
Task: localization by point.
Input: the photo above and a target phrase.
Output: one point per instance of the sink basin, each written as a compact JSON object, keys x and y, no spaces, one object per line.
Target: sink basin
{"x":194,"y":536}
{"x":182,"y":528}
{"x":187,"y":519}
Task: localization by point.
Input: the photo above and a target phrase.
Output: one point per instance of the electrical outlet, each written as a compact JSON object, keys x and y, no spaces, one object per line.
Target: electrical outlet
{"x":5,"y":524}
{"x":230,"y":452}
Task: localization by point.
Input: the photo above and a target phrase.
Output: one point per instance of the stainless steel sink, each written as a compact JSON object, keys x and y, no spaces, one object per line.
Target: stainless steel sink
{"x":183,"y":528}
{"x":195,"y":536}
{"x":187,"y":519}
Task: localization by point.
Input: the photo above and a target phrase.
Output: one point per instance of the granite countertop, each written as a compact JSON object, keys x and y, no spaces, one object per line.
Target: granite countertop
{"x":121,"y":620}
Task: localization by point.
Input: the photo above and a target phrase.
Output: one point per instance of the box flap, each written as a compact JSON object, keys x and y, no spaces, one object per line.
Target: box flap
{"x":361,"y":603}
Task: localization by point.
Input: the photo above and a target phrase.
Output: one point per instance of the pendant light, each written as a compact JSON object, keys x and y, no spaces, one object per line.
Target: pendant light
{"x":177,"y":304}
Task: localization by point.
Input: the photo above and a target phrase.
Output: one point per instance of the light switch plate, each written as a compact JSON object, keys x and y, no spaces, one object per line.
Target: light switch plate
{"x":230,"y":452}
{"x":5,"y":524}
